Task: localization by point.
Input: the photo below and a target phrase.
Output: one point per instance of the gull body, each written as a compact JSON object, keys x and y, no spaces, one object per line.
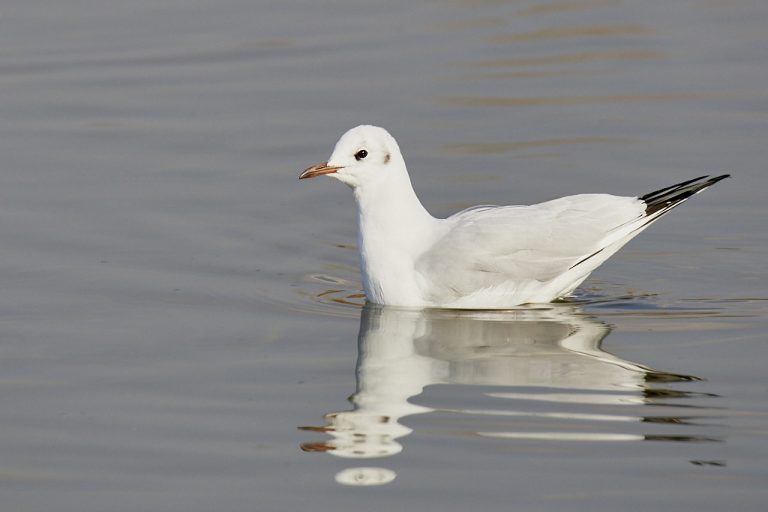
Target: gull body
{"x":486,"y":257}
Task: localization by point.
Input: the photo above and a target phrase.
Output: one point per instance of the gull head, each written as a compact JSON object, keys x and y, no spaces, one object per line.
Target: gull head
{"x":363,"y":156}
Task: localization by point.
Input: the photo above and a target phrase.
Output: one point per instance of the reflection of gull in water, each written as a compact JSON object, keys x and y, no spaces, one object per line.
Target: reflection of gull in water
{"x":554,"y":350}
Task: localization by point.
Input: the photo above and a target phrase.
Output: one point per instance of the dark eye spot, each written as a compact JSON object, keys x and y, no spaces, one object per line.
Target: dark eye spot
{"x":386,"y":158}
{"x":361,"y":154}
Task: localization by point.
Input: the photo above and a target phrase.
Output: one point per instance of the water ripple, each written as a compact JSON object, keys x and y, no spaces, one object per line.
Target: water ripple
{"x":551,"y":33}
{"x":489,"y":101}
{"x":505,"y":147}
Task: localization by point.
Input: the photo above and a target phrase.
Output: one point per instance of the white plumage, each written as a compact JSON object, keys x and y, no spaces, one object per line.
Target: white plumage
{"x":486,"y":257}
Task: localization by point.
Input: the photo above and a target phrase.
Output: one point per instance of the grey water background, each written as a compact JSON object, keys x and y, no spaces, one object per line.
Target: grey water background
{"x":181,"y":321}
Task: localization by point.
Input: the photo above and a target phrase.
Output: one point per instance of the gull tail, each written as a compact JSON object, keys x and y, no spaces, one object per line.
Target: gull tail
{"x":657,"y":203}
{"x":661,"y":201}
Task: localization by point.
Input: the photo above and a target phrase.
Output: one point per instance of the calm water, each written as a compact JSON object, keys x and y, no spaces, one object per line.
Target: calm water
{"x":181,"y":326}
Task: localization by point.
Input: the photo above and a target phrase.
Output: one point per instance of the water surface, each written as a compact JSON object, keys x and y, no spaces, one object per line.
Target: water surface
{"x":181,"y":320}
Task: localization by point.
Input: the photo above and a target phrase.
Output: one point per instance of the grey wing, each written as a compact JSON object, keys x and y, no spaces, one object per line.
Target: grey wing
{"x":489,"y":245}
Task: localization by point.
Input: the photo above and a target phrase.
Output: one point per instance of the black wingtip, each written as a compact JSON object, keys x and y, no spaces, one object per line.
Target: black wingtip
{"x":665,"y":199}
{"x":650,"y":195}
{"x":721,"y":177}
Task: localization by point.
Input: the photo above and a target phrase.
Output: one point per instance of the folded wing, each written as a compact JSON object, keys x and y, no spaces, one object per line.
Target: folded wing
{"x":490,"y":245}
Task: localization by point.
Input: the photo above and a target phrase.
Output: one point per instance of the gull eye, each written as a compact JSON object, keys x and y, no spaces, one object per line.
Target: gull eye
{"x":361,"y":154}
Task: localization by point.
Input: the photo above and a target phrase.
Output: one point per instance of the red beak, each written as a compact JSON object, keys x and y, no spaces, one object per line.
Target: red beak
{"x":318,"y":170}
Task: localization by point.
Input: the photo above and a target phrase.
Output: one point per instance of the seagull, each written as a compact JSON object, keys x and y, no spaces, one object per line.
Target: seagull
{"x":484,"y":257}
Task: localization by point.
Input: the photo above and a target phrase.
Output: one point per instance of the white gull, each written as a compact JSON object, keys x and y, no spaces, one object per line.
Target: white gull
{"x":486,"y":257}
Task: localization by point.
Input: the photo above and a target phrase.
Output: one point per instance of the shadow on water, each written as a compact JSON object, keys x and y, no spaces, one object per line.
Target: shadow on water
{"x":543,"y":369}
